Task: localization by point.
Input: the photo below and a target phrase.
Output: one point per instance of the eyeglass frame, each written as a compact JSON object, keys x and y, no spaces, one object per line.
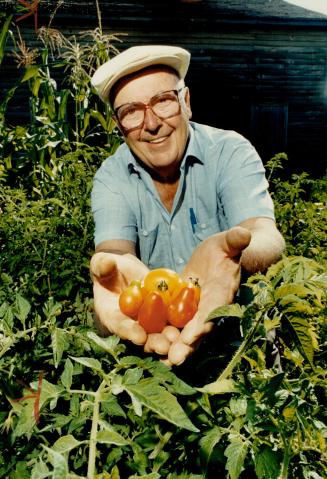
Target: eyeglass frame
{"x":146,"y":106}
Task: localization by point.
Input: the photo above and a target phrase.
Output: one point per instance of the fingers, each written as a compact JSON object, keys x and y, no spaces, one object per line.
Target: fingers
{"x":188,"y":340}
{"x":125,"y":328}
{"x":178,"y":352}
{"x":103,"y":265}
{"x":157,"y":343}
{"x":194,"y":330}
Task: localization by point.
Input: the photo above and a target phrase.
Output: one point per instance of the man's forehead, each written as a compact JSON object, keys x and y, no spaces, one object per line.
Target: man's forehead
{"x":166,"y":71}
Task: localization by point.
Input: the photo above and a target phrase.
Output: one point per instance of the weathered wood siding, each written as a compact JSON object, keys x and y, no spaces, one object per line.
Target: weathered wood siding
{"x":257,"y":67}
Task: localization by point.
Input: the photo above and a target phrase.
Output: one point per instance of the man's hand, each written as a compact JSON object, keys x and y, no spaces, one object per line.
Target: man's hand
{"x":216,"y":263}
{"x":112,"y":273}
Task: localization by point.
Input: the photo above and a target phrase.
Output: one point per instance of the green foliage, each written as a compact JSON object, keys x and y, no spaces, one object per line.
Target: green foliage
{"x":300,"y":208}
{"x":75,"y":405}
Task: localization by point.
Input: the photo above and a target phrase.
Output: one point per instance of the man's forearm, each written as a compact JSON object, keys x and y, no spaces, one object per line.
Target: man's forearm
{"x":266,"y":247}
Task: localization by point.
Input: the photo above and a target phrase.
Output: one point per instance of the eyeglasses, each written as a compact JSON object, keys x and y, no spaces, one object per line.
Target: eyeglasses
{"x":164,"y":105}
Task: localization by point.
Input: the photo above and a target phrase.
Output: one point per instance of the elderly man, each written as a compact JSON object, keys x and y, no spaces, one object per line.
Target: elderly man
{"x":176,"y":194}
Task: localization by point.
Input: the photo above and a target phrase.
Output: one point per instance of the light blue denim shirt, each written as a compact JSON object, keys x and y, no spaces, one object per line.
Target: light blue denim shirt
{"x":222,"y":183}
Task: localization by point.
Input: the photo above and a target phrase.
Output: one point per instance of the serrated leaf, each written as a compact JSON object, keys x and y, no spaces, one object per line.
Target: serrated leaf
{"x":59,"y":462}
{"x":207,"y":444}
{"x":238,"y":406}
{"x":89,"y":362}
{"x":67,"y":374}
{"x":302,"y":331}
{"x":222,"y":386}
{"x":133,"y":375}
{"x":59,"y":343}
{"x":66,"y":444}
{"x":267,"y":464}
{"x":270,"y":324}
{"x":22,"y":308}
{"x":111,"y":437}
{"x":156,"y":398}
{"x":7,"y":318}
{"x":291,"y":303}
{"x":288,"y":289}
{"x":234,"y":310}
{"x":108,"y":344}
{"x":137,"y":405}
{"x":165,"y":376}
{"x":236,"y":453}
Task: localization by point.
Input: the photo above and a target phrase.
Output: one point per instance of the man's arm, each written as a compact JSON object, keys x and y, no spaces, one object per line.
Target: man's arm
{"x":266,"y":246}
{"x":116,"y":246}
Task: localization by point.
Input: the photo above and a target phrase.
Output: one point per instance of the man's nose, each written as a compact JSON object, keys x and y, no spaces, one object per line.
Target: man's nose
{"x":151,"y":120}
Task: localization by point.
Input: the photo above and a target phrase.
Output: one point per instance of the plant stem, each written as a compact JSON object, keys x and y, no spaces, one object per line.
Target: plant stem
{"x":286,"y":461}
{"x":239,"y":353}
{"x":94,"y":431}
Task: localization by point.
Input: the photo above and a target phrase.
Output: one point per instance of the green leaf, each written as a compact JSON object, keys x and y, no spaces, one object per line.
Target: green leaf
{"x":238,"y":406}
{"x":291,"y":303}
{"x":111,"y":437}
{"x":149,"y":393}
{"x":59,"y":462}
{"x":59,"y":344}
{"x":7,"y":318}
{"x":22,"y":308}
{"x":303,"y":333}
{"x":30,"y":72}
{"x":66,"y":444}
{"x":234,"y":310}
{"x":109,"y":344}
{"x":267,"y":464}
{"x":235,"y":452}
{"x":207,"y":444}
{"x":67,"y":374}
{"x":3,"y":36}
{"x":222,"y":386}
{"x":89,"y":362}
{"x":165,"y":376}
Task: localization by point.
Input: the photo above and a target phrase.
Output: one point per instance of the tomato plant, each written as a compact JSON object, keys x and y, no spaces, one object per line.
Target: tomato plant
{"x":131,"y":299}
{"x":182,"y":308}
{"x":152,"y":315}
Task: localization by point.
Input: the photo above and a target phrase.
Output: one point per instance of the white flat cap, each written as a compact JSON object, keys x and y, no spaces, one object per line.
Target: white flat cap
{"x":134,"y":59}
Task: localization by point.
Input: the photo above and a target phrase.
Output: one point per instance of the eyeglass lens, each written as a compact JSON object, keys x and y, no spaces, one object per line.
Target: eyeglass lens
{"x":164,"y":105}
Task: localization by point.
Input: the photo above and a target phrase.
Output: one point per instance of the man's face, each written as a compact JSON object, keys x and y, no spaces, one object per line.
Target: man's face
{"x":158,"y":143}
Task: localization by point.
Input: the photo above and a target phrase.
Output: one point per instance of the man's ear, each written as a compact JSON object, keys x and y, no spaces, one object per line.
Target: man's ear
{"x":187,"y":103}
{"x":117,"y":124}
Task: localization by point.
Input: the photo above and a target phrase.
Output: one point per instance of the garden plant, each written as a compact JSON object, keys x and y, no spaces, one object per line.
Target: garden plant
{"x":77,"y":405}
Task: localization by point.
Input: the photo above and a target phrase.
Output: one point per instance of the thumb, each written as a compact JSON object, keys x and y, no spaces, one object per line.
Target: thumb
{"x":103,"y":265}
{"x":236,"y":240}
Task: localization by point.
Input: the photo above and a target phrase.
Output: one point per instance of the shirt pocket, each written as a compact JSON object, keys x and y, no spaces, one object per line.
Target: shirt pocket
{"x":206,"y":227}
{"x":147,"y":242}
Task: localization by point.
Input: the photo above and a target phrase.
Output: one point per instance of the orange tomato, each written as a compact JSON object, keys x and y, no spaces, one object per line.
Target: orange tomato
{"x":182,"y":308}
{"x":152,"y":315}
{"x":191,"y":283}
{"x":130,"y":299}
{"x":155,"y":277}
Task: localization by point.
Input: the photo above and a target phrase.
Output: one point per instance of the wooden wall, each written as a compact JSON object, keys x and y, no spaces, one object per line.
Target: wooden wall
{"x":257,"y":67}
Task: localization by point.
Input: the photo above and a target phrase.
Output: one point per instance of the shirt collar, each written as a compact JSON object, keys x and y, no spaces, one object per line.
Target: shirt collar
{"x":191,"y":155}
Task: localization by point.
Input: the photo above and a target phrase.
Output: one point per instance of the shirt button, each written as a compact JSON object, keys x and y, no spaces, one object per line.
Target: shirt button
{"x":180,"y":260}
{"x":203,"y":225}
{"x":145,"y":233}
{"x":172,"y":228}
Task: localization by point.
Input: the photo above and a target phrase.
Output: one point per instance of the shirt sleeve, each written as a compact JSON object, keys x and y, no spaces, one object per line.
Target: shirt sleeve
{"x":113,"y":217}
{"x":243,"y":190}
